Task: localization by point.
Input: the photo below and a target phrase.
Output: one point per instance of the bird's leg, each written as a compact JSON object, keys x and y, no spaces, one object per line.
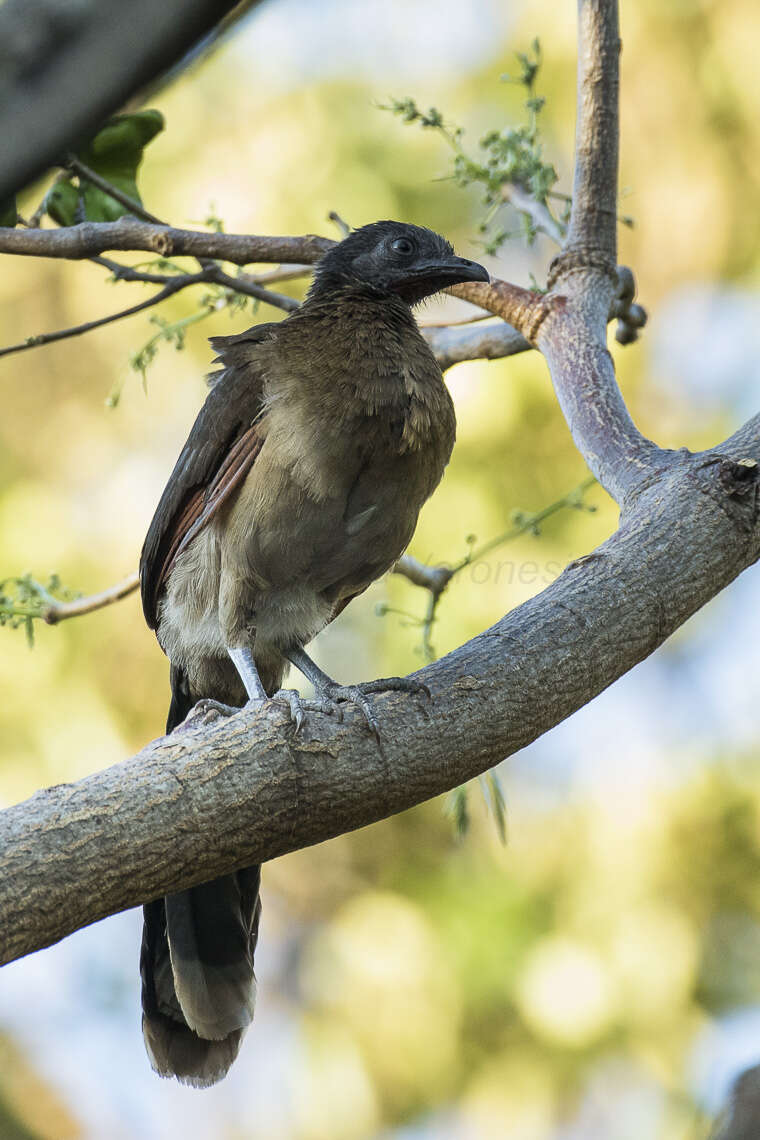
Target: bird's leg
{"x":242,"y":659}
{"x":332,"y":693}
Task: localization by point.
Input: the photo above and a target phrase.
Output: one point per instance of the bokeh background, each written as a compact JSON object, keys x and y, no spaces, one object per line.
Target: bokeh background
{"x":599,"y":975}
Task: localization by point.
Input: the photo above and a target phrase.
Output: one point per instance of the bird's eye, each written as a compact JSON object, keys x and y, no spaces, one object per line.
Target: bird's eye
{"x":403,"y":245}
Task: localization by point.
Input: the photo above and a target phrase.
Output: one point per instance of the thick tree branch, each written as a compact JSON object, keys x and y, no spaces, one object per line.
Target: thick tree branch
{"x":209,"y":798}
{"x":64,"y":68}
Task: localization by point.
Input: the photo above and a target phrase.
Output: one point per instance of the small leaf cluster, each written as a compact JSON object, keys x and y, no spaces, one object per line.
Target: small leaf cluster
{"x":24,"y":600}
{"x":511,"y":157}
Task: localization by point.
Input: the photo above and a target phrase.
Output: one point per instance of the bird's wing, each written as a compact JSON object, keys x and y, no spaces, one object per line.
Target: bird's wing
{"x":219,"y":453}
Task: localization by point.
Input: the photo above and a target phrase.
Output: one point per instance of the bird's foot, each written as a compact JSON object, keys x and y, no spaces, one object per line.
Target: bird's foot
{"x":299,"y":706}
{"x":357,"y":695}
{"x":207,"y":710}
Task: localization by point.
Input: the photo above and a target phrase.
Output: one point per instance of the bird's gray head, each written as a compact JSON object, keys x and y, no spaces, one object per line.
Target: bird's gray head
{"x":393,"y":258}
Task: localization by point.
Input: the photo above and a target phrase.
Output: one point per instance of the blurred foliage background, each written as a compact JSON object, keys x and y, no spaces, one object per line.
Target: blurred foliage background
{"x":597,"y":976}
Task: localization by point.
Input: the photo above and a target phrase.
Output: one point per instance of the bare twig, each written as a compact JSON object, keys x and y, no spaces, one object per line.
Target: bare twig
{"x":343,"y":227}
{"x":541,"y":217}
{"x":474,"y":319}
{"x":172,"y":286}
{"x":282,"y":273}
{"x":435,"y":579}
{"x":60,"y":611}
{"x":128,"y":273}
{"x":245,"y":283}
{"x":82,"y":171}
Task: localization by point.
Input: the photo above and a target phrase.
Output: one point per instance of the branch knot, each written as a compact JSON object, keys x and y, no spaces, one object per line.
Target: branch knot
{"x":578,"y":260}
{"x":162,"y":243}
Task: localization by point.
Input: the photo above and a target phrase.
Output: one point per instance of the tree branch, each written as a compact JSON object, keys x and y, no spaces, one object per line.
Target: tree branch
{"x":60,"y":611}
{"x":593,"y":218}
{"x":212,"y":797}
{"x":83,"y":172}
{"x":173,"y":285}
{"x":88,"y":239}
{"x":541,"y":217}
{"x":451,"y":344}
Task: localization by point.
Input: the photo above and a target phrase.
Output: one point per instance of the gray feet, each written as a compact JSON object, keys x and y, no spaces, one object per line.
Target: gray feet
{"x":206,"y":711}
{"x":299,"y":706}
{"x":328,"y":700}
{"x":357,"y":695}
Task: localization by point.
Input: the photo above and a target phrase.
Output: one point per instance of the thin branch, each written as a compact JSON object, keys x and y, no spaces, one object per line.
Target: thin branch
{"x":451,"y":344}
{"x":128,"y":273}
{"x":88,"y":239}
{"x":282,"y":273}
{"x":435,"y":579}
{"x":245,"y":283}
{"x":173,"y":285}
{"x":82,"y":171}
{"x":541,"y":217}
{"x":61,"y":611}
{"x":343,"y":227}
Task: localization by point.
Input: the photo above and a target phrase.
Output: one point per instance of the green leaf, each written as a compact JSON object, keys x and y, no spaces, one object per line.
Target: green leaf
{"x":494,"y":797}
{"x":457,"y":809}
{"x":115,"y":154}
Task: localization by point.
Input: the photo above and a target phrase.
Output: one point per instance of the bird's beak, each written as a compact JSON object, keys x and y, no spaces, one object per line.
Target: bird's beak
{"x":446,"y":271}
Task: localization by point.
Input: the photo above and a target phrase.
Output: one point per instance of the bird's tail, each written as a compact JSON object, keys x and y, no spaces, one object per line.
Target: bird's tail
{"x":196,"y":964}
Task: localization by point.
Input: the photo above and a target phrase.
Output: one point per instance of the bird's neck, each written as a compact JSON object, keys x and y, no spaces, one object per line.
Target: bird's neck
{"x":360,"y":338}
{"x":354,"y":359}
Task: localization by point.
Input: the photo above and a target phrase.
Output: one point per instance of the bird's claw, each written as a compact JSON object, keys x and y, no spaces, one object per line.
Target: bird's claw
{"x":299,"y":706}
{"x":327,"y":700}
{"x":397,"y":685}
{"x":206,"y":711}
{"x":357,"y":695}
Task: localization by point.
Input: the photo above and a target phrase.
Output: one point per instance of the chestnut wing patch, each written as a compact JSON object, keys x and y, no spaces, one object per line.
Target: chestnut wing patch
{"x":220,"y":450}
{"x":197,"y":511}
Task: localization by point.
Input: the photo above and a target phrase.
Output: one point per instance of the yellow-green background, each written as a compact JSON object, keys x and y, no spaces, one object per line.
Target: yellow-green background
{"x":596,"y":977}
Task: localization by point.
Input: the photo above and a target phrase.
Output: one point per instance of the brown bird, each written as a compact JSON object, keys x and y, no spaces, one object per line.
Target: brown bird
{"x":299,"y":485}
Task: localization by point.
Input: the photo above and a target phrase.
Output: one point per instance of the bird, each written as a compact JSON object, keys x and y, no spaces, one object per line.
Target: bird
{"x":299,"y":485}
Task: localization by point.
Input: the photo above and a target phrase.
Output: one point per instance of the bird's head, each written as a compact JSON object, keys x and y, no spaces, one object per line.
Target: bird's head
{"x":393,"y":258}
